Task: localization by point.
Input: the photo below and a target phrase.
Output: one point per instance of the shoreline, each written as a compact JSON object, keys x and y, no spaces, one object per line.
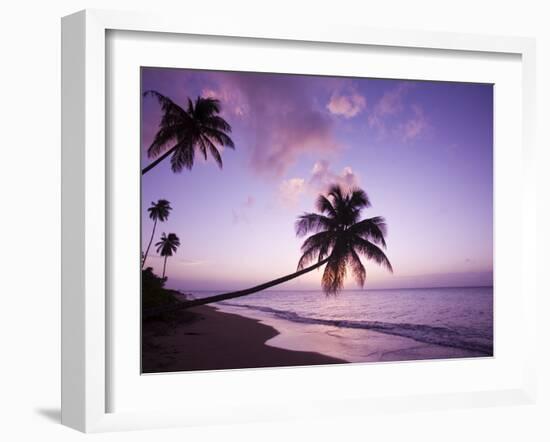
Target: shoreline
{"x":339,"y":342}
{"x":222,"y":338}
{"x":204,"y":338}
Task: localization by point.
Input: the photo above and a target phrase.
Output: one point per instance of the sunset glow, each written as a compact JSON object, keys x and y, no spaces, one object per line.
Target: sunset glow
{"x":422,"y":151}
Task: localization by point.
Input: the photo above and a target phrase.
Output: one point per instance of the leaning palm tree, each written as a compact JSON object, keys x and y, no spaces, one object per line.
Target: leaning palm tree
{"x":158,"y":211}
{"x":167,"y":246}
{"x":184,"y":131}
{"x":339,"y":237}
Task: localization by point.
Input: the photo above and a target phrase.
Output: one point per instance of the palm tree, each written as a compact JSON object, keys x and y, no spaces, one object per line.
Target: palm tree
{"x":158,"y":211}
{"x":167,"y":246}
{"x":199,"y":127}
{"x":338,"y":239}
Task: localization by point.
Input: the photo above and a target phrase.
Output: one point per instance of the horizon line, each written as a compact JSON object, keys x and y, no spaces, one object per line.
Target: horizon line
{"x":352,"y":290}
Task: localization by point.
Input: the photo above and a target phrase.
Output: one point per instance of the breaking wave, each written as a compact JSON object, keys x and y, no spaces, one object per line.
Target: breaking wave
{"x":462,"y":339}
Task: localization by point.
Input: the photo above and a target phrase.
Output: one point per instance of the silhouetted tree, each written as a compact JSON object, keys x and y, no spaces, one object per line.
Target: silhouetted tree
{"x":182,"y":132}
{"x":158,"y":211}
{"x":167,"y":246}
{"x":339,"y":237}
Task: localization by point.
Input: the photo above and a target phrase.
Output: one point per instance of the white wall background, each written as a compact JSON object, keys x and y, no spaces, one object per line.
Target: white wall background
{"x":30,"y":220}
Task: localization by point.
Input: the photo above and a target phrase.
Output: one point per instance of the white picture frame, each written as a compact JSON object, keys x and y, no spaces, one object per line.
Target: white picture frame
{"x":85,"y":307}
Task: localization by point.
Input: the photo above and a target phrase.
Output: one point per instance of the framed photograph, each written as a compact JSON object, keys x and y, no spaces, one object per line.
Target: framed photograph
{"x":250,"y":212}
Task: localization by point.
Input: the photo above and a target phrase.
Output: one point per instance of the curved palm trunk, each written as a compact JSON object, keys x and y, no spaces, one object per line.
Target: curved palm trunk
{"x":149,"y":246}
{"x":158,"y":160}
{"x":239,"y":293}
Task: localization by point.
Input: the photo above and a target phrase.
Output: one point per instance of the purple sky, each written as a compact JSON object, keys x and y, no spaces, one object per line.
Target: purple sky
{"x":423,"y":151}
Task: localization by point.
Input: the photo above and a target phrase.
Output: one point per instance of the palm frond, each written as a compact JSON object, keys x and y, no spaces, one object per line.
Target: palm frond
{"x":336,"y":192}
{"x":374,"y":229}
{"x":160,"y":243}
{"x":220,"y":137}
{"x":312,"y":222}
{"x":341,"y":237}
{"x":168,"y":244}
{"x":372,"y":251}
{"x":162,"y":138}
{"x":190,"y":106}
{"x":214,"y":152}
{"x":358,"y":199}
{"x":319,"y":239}
{"x":218,"y":123}
{"x":308,"y":256}
{"x":159,"y":210}
{"x":205,"y":107}
{"x":166,"y":103}
{"x":183,"y":157}
{"x":335,"y":273}
{"x":357,"y":268}
{"x":316,"y":246}
{"x":171,"y":112}
{"x":198,"y":127}
{"x":324,"y":205}
{"x":202,"y":147}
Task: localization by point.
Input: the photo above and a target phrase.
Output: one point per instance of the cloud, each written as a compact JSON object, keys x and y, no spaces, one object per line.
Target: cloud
{"x":347,"y":106}
{"x":391,"y":116}
{"x":391,"y":103}
{"x":276,"y":118}
{"x":290,"y":191}
{"x":211,"y":93}
{"x":415,"y":125}
{"x":233,"y":103}
{"x":281,"y":113}
{"x":321,"y":178}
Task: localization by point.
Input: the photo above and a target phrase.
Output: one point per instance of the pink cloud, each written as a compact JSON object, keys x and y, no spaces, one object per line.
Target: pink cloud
{"x":321,"y":178}
{"x":390,"y":115}
{"x":392,"y":101}
{"x":415,"y":125}
{"x":290,"y":191}
{"x":281,"y":113}
{"x":233,"y":102}
{"x":390,"y":104}
{"x":347,"y":106}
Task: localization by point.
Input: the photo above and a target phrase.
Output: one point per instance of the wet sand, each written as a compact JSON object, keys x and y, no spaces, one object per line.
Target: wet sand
{"x":204,"y":338}
{"x":339,"y":342}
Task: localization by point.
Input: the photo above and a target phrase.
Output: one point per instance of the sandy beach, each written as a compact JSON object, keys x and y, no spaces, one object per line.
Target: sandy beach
{"x":341,"y":342}
{"x":203,"y":338}
{"x":300,"y":259}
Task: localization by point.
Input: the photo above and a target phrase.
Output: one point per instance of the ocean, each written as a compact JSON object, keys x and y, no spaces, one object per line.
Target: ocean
{"x":435,"y":322}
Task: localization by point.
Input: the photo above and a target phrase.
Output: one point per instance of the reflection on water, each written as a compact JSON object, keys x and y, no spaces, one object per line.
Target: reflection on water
{"x":360,"y":325}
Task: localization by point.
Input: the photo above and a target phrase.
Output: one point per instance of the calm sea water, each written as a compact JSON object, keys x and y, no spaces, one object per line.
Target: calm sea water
{"x":460,"y":318}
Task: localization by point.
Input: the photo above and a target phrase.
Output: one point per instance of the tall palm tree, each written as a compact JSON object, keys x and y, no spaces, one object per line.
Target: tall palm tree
{"x":182,"y":132}
{"x":158,"y":211}
{"x":167,"y":246}
{"x":339,"y":237}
